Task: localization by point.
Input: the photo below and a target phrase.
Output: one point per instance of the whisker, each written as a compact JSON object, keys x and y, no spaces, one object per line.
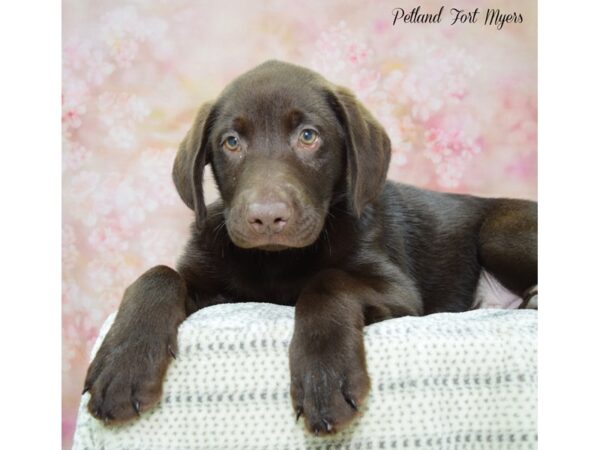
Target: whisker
{"x":215,"y":214}
{"x":327,"y":241}
{"x":218,"y":229}
{"x":220,"y":226}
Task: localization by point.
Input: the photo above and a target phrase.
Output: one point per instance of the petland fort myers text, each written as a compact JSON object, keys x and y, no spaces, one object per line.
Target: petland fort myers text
{"x":455,"y":16}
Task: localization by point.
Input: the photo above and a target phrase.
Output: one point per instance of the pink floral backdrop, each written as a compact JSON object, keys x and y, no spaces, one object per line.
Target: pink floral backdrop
{"x":459,"y":103}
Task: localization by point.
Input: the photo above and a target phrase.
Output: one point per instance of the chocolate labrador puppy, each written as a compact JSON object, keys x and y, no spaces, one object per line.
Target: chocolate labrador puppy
{"x":306,"y":218}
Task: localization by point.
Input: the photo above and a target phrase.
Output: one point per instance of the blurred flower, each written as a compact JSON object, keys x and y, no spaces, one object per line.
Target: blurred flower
{"x":98,"y":67}
{"x":74,"y":98}
{"x":439,"y":79}
{"x":343,"y":58}
{"x":81,"y":185}
{"x":121,"y":113}
{"x":159,"y":245}
{"x":108,"y":236}
{"x":154,"y":167}
{"x":450,"y":151}
{"x":122,"y":30}
{"x":74,"y":155}
{"x":69,"y":248}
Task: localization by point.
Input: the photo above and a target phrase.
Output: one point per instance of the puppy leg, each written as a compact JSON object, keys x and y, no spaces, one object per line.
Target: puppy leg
{"x":508,"y":243}
{"x":126,"y":374}
{"x":329,"y":379}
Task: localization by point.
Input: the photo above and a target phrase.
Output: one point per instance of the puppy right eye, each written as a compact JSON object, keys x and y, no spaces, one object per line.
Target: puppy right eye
{"x":231,"y":143}
{"x":308,"y":136}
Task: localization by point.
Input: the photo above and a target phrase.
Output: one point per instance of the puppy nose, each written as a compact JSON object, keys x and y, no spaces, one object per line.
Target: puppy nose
{"x":268,"y":217}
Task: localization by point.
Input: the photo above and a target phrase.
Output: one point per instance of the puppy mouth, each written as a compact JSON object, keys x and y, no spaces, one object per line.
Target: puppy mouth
{"x":303,"y":235}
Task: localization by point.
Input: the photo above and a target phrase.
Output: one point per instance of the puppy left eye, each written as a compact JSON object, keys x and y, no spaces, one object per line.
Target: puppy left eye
{"x":231,"y":143}
{"x":308,"y":136}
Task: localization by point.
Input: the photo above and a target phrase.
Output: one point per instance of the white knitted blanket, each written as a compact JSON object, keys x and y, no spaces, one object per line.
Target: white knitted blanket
{"x":444,"y":381}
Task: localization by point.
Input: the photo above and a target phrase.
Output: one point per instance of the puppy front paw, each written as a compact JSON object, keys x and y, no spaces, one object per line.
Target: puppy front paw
{"x":125,"y":378}
{"x":328,"y":390}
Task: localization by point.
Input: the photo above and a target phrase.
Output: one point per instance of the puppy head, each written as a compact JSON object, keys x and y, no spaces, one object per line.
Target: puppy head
{"x":284,"y":144}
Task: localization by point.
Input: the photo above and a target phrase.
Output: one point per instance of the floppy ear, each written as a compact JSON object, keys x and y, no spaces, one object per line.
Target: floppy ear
{"x":188,"y":168}
{"x":368,"y":149}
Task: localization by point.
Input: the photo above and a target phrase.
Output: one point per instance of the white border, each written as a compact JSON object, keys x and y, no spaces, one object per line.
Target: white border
{"x":30,"y":41}
{"x":569,"y":181}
